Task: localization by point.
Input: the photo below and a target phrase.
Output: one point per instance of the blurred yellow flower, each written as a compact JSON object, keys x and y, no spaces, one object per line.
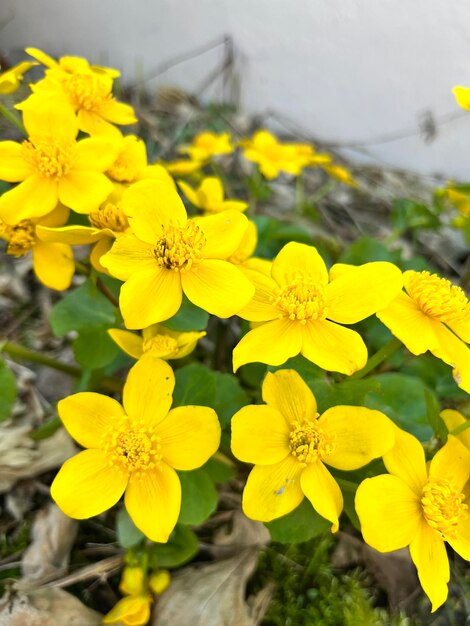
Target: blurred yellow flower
{"x":53,"y":166}
{"x":432,"y":315}
{"x":272,"y":156}
{"x":290,"y":443}
{"x":161,"y":342}
{"x":160,"y":581}
{"x":206,"y":145}
{"x":209,"y":196}
{"x":130,"y":611}
{"x":134,"y":448}
{"x":169,"y":254}
{"x":420,"y":507}
{"x":300,"y":310}
{"x":11,"y":79}
{"x":462,"y":96}
{"x":53,"y":263}
{"x":340,"y":173}
{"x":182,"y":167}
{"x":460,"y":200}
{"x":87,"y":88}
{"x":131,"y":163}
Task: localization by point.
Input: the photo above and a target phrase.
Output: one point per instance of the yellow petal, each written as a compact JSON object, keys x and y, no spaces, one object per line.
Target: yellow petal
{"x":260,"y":434}
{"x":453,"y":419}
{"x":87,"y":485}
{"x":224,"y":232}
{"x":273,"y":490}
{"x":13,"y":167}
{"x":360,"y":435}
{"x":461,"y":541}
{"x":84,"y":191}
{"x":430,"y":557}
{"x":132,"y":580}
{"x":211,"y":191}
{"x":389,"y":512}
{"x":95,"y":154}
{"x":272,"y":343}
{"x":87,"y":415}
{"x":190,"y":194}
{"x":42,"y":57}
{"x":363,"y":291}
{"x":131,"y":611}
{"x":452,"y":462}
{"x":453,"y":351}
{"x":147,"y":394}
{"x":462,"y":96}
{"x":260,"y":308}
{"x":217,"y":286}
{"x":406,"y":461}
{"x":153,"y":501}
{"x":129,"y":342}
{"x":333,"y":347}
{"x":290,"y":395}
{"x":55,"y":218}
{"x":46,"y":119}
{"x":189,"y":436}
{"x":101,"y":247}
{"x":72,"y":235}
{"x":34,"y":197}
{"x":128,"y":256}
{"x":299,"y":258}
{"x":53,"y":264}
{"x":150,"y":296}
{"x":152,"y":206}
{"x":93,"y":124}
{"x":235,"y":205}
{"x":323,"y":492}
{"x":118,"y":113}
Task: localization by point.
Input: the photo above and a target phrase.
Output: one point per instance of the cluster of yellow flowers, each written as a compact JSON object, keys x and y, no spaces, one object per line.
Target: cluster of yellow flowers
{"x":142,"y":235}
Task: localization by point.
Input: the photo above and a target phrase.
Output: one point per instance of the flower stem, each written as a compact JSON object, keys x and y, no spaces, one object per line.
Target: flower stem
{"x":460,"y":429}
{"x":376,"y":359}
{"x":11,"y":117}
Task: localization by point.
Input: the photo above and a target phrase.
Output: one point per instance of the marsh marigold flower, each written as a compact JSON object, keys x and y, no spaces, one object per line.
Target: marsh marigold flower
{"x":52,"y":166}
{"x":420,"y":507}
{"x":274,"y":157}
{"x":161,"y":342}
{"x":11,"y":79}
{"x":87,"y":88}
{"x":206,"y":145}
{"x":462,"y":96}
{"x":134,"y":448}
{"x":209,"y":196}
{"x":131,"y":163}
{"x":291,"y":444}
{"x":299,"y":310}
{"x":432,"y":315}
{"x":169,"y":253}
{"x":53,"y":263}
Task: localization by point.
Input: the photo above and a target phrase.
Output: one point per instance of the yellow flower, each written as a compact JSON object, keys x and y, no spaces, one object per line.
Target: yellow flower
{"x":53,"y":166}
{"x":290,"y":443}
{"x":132,"y":580}
{"x":182,"y":167}
{"x":206,"y":145}
{"x":87,"y":88}
{"x":247,"y":245}
{"x":460,"y":200}
{"x":130,"y":611}
{"x":209,"y":196}
{"x":300,"y":310}
{"x":272,"y":156}
{"x":433,"y":315}
{"x":11,"y":79}
{"x":453,"y":419}
{"x":419,"y":507}
{"x":462,"y":96}
{"x":161,"y":342}
{"x":169,"y":253}
{"x":131,"y":163}
{"x":160,"y":581}
{"x":134,"y":448}
{"x":53,"y":263}
{"x":340,"y":173}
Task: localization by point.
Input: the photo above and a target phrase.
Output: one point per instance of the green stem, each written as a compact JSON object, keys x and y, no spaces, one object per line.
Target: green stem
{"x":15,"y":350}
{"x":323,"y":191}
{"x":376,"y":359}
{"x":460,"y":429}
{"x":11,"y":117}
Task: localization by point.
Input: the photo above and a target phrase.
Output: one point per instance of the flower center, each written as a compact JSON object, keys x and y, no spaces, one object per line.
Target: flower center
{"x":437,"y":297}
{"x":131,"y":449}
{"x":302,"y":300}
{"x":124,"y":168}
{"x":21,"y":237}
{"x":160,"y":345}
{"x":50,"y":159}
{"x":443,"y":507}
{"x":109,"y":216}
{"x":87,"y":90}
{"x":308,"y":442}
{"x":180,"y":247}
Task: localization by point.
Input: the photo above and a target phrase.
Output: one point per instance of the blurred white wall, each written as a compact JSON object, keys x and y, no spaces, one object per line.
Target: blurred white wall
{"x":360,"y":72}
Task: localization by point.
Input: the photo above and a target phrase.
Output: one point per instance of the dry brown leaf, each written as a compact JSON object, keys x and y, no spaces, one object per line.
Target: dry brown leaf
{"x":53,"y":534}
{"x":46,"y":607}
{"x":243,"y":532}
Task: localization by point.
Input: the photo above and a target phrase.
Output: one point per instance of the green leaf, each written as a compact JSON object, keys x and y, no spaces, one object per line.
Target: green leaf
{"x":182,"y":546}
{"x":199,"y":497}
{"x":218,"y":471}
{"x":94,"y":348}
{"x":82,"y":308}
{"x":350,"y":393}
{"x":189,"y":317}
{"x":229,"y":397}
{"x":46,"y":430}
{"x":366,"y":249}
{"x":8,"y":391}
{"x":128,"y":534}
{"x":300,"y":525}
{"x":432,"y":412}
{"x":408,"y":214}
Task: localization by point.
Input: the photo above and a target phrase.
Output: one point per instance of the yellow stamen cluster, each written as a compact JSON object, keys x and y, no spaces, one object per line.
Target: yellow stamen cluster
{"x":109,"y":216}
{"x":443,"y":507}
{"x":124,"y":169}
{"x":437,"y":297}
{"x":308,"y":442}
{"x":87,"y":90}
{"x":163,"y":345}
{"x":132,"y":449}
{"x":21,"y":237}
{"x":50,"y":159}
{"x":302,"y":300}
{"x":180,"y":247}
